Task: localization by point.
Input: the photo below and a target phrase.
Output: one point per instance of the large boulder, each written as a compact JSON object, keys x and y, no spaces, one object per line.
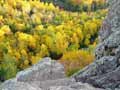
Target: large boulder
{"x":46,"y":69}
{"x":46,"y":75}
{"x":104,"y":72}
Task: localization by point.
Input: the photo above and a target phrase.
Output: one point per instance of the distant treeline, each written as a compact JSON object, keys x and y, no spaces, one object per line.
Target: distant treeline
{"x":79,"y":5}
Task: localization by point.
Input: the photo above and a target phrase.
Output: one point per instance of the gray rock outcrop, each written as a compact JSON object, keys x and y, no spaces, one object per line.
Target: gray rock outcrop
{"x":46,"y":69}
{"x":46,"y":75}
{"x":104,"y":72}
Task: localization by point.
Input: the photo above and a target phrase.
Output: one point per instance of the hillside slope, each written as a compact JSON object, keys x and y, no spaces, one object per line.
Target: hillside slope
{"x":103,"y":73}
{"x":30,"y":30}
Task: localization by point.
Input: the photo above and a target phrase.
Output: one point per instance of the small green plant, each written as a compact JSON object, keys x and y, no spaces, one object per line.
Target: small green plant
{"x":8,"y":67}
{"x":72,"y":71}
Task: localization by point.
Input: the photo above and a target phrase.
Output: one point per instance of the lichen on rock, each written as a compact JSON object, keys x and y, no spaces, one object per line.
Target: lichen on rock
{"x":104,"y":72}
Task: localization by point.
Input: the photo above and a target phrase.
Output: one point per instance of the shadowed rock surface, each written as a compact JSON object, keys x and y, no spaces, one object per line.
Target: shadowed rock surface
{"x":104,"y":72}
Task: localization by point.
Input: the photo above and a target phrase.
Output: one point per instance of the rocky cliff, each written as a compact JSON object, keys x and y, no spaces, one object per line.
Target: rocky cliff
{"x":102,"y":74}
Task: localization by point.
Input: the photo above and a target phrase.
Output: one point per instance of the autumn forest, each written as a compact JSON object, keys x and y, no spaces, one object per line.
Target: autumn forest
{"x":65,"y":30}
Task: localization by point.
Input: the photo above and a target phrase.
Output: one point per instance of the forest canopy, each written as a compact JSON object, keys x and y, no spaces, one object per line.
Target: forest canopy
{"x":32,"y":29}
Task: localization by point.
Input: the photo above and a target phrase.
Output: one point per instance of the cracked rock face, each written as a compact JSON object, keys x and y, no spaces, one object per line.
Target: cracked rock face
{"x":46,"y":75}
{"x":104,"y":72}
